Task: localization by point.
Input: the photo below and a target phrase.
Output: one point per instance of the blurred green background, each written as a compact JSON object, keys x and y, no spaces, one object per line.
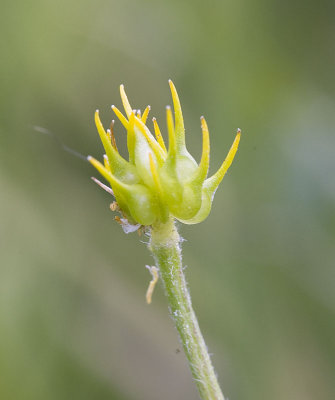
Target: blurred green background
{"x":73,"y":318}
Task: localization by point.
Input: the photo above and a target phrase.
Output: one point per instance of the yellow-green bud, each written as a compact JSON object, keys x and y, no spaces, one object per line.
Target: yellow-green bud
{"x":157,"y":183}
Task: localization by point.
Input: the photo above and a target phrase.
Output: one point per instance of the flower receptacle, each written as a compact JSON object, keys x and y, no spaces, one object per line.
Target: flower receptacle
{"x":158,"y":183}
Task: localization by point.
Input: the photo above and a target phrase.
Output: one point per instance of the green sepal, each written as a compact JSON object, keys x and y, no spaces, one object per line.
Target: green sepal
{"x":207,"y":195}
{"x":136,"y":201}
{"x":141,"y":203}
{"x":179,"y":174}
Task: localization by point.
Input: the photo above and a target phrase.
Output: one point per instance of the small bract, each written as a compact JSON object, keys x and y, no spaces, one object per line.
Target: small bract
{"x":157,"y":183}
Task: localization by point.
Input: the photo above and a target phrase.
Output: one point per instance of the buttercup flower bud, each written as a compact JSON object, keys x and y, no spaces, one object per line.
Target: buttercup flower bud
{"x":157,"y":183}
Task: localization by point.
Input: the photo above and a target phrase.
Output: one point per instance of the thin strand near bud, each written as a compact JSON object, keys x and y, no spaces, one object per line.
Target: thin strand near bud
{"x":103,"y":186}
{"x":116,"y":184}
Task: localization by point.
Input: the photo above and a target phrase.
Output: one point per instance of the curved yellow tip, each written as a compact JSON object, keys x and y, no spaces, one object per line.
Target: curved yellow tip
{"x":158,"y":135}
{"x":231,"y":154}
{"x":98,"y":124}
{"x":145,"y":114}
{"x":204,"y":163}
{"x":131,"y":138}
{"x":125,"y":101}
{"x":121,"y":117}
{"x":179,"y":120}
{"x":171,"y":131}
{"x":215,"y":180}
{"x":115,"y":183}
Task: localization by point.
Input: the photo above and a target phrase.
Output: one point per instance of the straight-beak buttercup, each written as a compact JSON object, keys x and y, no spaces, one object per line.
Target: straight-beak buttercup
{"x":158,"y":182}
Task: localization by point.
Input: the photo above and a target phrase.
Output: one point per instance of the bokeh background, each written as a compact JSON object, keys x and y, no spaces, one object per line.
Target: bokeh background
{"x":73,"y":319}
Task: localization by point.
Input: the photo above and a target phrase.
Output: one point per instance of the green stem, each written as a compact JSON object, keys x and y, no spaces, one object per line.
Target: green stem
{"x":164,"y":245}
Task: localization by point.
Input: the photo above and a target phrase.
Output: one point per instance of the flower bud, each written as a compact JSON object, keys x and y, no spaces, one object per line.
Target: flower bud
{"x":156,"y":183}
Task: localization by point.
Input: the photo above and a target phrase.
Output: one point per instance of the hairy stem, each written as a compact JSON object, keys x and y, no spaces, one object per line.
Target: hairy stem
{"x":164,"y":245}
